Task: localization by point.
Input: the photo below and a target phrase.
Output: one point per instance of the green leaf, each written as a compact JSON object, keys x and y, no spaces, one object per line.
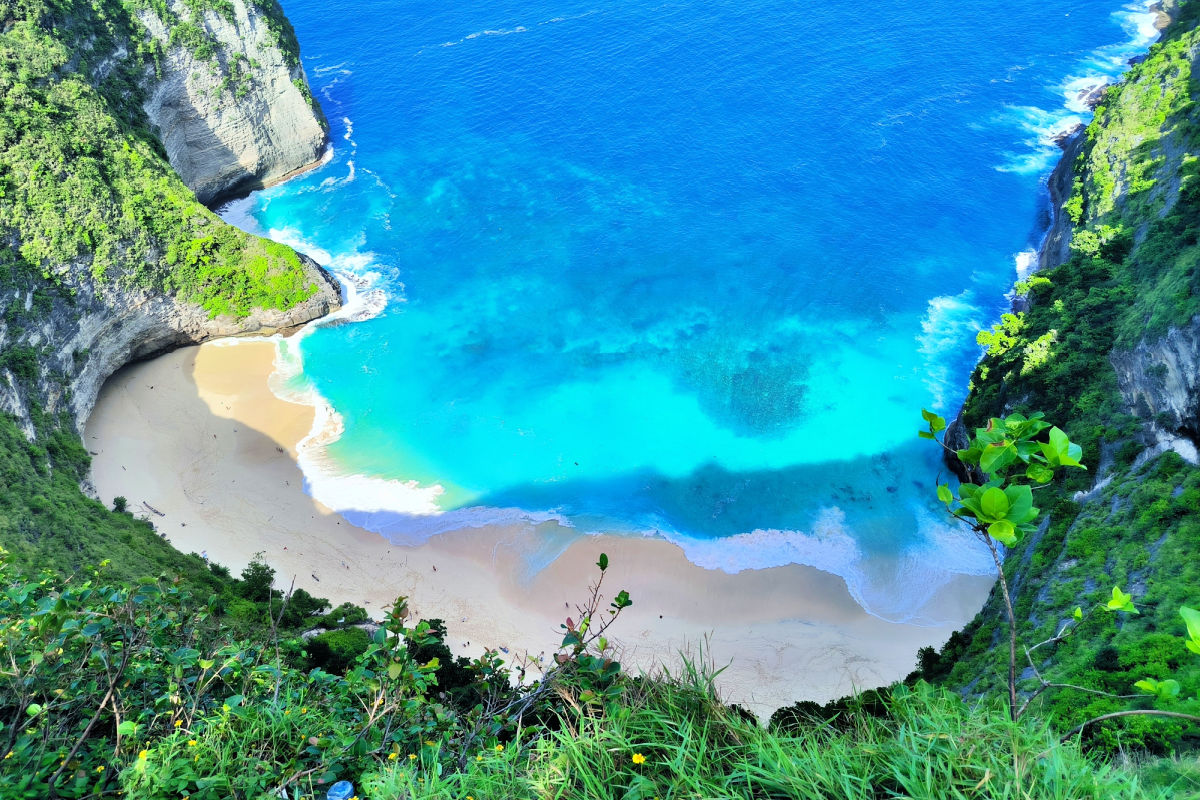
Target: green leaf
{"x":996,"y":457}
{"x":33,"y":709}
{"x":926,"y":435}
{"x":603,"y":562}
{"x":945,"y":495}
{"x":1059,"y":440}
{"x":1020,"y":504}
{"x":1067,"y":454}
{"x":394,"y":670}
{"x":994,"y":504}
{"x":1004,"y":532}
{"x":1078,"y":613}
{"x":1191,"y":618}
{"x":91,"y":629}
{"x":1121,"y":601}
{"x":1164,"y":689}
{"x":127,"y":728}
{"x":1039,"y":473}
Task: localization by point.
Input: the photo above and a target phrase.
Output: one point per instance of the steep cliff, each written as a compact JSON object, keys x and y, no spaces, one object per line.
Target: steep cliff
{"x":241,"y":52}
{"x":1108,"y":346}
{"x":108,"y":257}
{"x":106,"y":254}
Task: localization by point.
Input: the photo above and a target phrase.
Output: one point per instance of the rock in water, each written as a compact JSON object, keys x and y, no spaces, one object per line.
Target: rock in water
{"x":233,"y":108}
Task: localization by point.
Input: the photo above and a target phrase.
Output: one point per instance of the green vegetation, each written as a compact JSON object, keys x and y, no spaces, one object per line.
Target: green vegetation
{"x":156,"y":674}
{"x":1134,"y":271}
{"x":83,"y":182}
{"x":140,"y":690}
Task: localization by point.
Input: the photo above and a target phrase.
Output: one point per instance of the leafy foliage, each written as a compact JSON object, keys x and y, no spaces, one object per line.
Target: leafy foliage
{"x":83,"y":183}
{"x":132,"y":690}
{"x":1130,"y":520}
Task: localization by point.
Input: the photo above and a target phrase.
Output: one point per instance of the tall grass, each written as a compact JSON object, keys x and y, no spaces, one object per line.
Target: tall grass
{"x":671,"y":737}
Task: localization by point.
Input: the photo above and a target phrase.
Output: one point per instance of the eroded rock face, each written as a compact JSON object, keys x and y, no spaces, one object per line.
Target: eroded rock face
{"x":84,"y":338}
{"x":1055,"y":247}
{"x":77,"y":331}
{"x":226,"y":133}
{"x":1160,"y":380}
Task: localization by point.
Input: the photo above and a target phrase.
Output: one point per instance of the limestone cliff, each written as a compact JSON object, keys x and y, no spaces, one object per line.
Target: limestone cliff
{"x":105,"y":257}
{"x":231,"y":104}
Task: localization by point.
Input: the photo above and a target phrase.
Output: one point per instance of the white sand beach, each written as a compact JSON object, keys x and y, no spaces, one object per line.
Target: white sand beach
{"x":198,"y":436}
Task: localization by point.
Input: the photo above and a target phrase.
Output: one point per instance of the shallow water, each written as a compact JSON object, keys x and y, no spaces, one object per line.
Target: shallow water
{"x":676,"y":269}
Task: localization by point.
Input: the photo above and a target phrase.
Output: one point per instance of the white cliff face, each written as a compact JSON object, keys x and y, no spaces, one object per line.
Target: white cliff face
{"x":225,"y":133}
{"x":87,"y":334}
{"x":230,"y":122}
{"x":1160,"y":380}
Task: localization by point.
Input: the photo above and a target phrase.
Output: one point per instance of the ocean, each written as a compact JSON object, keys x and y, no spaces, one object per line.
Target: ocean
{"x":674,"y":269}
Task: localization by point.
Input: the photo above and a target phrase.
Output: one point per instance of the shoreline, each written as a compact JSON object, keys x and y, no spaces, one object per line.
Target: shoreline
{"x":199,"y":436}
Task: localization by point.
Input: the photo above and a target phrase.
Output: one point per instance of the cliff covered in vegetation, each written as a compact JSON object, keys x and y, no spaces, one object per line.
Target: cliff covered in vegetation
{"x":106,"y":255}
{"x":1108,"y":346}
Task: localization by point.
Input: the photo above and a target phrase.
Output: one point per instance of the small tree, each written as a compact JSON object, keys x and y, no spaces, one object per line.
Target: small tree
{"x":257,"y":578}
{"x":1004,"y":462}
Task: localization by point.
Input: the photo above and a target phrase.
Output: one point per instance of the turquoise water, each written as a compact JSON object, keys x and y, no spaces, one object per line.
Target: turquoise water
{"x":676,"y":269}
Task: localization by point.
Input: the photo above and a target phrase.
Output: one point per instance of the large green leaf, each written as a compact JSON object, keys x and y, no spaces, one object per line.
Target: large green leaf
{"x":1003,"y":531}
{"x":997,"y":456}
{"x":1020,"y":504}
{"x":994,"y":504}
{"x":1191,"y":618}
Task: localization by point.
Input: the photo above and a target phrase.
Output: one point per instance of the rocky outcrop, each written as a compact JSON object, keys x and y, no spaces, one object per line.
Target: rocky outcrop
{"x":91,"y":331}
{"x":1160,"y":380}
{"x":231,"y":104}
{"x":1055,"y":247}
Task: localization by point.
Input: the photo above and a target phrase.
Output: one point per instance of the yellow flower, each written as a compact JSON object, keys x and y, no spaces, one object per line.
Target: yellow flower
{"x":178,"y":723}
{"x":10,"y":755}
{"x":191,"y":742}
{"x":499,"y":748}
{"x":392,"y":756}
{"x":428,"y":743}
{"x":100,"y":768}
{"x":479,"y":758}
{"x":411,"y":757}
{"x":638,"y":758}
{"x":143,"y":755}
{"x":304,"y":710}
{"x":225,"y":707}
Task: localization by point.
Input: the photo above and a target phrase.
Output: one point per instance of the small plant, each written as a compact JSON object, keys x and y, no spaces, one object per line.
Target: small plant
{"x":585,"y":648}
{"x":1003,"y":463}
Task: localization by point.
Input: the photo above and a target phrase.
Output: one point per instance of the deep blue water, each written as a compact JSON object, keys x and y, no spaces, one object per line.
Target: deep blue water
{"x":680,"y":268}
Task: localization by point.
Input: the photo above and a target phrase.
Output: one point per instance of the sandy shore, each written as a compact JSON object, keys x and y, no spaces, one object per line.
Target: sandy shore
{"x":198,"y":435}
